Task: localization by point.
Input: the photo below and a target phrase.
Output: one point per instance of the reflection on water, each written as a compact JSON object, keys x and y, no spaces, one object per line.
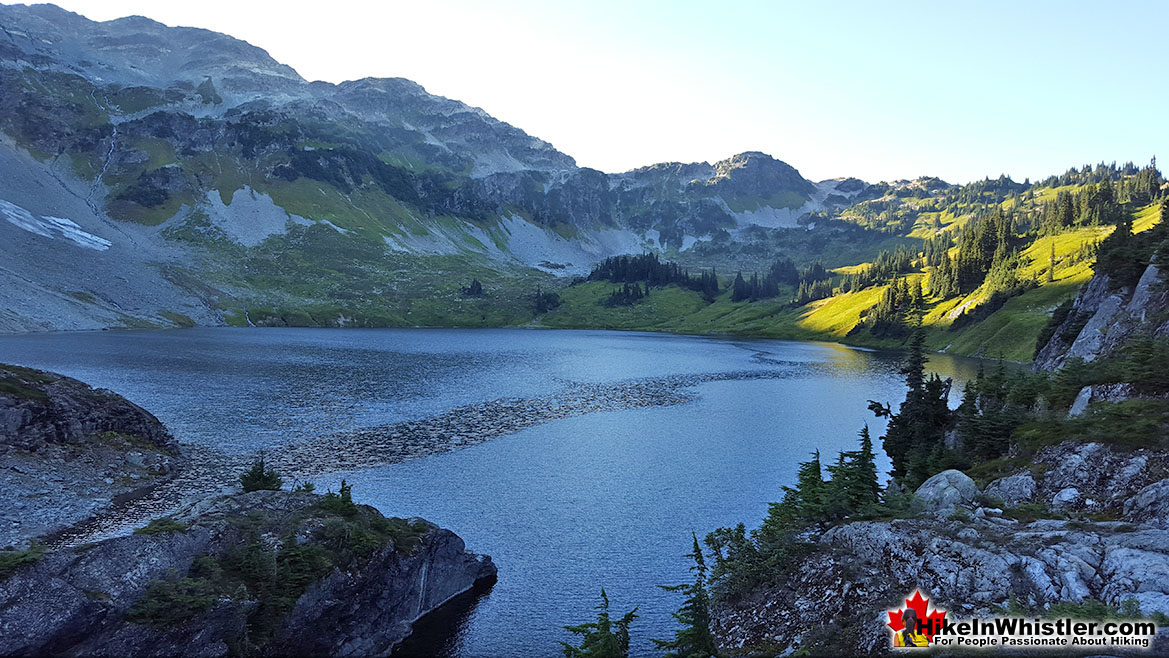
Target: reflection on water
{"x":564,"y":508}
{"x":441,"y":633}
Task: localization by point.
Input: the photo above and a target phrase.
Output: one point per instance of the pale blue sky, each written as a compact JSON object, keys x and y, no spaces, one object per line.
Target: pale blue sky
{"x":886,"y":90}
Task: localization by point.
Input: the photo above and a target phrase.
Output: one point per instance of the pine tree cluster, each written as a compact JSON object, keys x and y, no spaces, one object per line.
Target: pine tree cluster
{"x":1123,"y":255}
{"x":811,"y":283}
{"x":900,"y":307}
{"x":652,"y":271}
{"x":544,"y":301}
{"x":887,"y":265}
{"x":744,"y":560}
{"x":627,"y":295}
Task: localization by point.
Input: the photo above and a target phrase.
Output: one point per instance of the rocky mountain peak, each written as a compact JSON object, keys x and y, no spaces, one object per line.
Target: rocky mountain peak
{"x":754,"y":172}
{"x":135,"y":50}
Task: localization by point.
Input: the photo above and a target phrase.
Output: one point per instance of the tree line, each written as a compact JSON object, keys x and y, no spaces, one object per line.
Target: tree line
{"x":652,"y":271}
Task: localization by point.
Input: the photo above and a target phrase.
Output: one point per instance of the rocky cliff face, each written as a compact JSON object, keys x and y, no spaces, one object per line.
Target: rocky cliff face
{"x":68,"y":450}
{"x":1104,"y":317}
{"x":263,"y":573}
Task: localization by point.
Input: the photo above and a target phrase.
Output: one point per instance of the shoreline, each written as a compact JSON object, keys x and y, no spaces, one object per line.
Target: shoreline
{"x":529,"y":327}
{"x":210,"y":471}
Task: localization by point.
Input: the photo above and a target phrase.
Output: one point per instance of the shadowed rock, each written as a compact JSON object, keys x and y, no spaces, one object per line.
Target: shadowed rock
{"x":263,"y":573}
{"x":67,"y":451}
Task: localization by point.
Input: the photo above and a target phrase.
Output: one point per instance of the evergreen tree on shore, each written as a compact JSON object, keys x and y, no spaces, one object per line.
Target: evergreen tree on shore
{"x":915,"y":437}
{"x":694,"y":639}
{"x":860,"y":483}
{"x":259,"y":476}
{"x":603,"y":638}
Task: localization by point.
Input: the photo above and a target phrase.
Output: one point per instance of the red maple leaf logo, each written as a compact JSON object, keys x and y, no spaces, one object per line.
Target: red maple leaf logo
{"x":931,"y":622}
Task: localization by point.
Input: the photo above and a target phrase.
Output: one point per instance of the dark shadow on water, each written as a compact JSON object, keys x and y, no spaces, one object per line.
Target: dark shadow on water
{"x":440,"y":633}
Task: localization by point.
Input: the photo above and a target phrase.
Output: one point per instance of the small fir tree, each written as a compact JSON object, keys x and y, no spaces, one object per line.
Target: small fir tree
{"x":259,"y":476}
{"x":694,"y":639}
{"x":603,"y":638}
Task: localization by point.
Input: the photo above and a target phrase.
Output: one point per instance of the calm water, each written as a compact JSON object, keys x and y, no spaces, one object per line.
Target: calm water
{"x":607,"y":499}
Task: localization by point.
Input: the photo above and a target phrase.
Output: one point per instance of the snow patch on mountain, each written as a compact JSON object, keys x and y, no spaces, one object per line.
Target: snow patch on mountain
{"x":434,"y":243}
{"x":332,"y":226}
{"x":51,"y":227}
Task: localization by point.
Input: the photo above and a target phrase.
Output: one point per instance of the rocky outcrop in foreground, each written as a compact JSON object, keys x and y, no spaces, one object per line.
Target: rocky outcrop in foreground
{"x":261,"y":573}
{"x":68,"y":451}
{"x":974,"y":552}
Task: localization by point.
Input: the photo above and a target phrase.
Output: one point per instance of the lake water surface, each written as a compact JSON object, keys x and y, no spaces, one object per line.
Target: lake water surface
{"x":606,"y":499}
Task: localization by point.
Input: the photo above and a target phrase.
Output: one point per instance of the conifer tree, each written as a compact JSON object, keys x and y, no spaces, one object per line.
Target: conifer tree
{"x":863,"y":485}
{"x":259,"y":476}
{"x":807,"y":498}
{"x":694,"y":639}
{"x":603,"y":638}
{"x":835,"y":504}
{"x":740,"y":289}
{"x":914,"y":366}
{"x":914,"y":439}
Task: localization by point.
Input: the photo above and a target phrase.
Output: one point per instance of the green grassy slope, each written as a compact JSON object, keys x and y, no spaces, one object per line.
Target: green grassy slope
{"x":1010,"y":332}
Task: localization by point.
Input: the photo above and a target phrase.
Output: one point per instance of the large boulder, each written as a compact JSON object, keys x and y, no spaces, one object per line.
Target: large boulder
{"x":1012,"y":490}
{"x":947,"y":489}
{"x":1080,"y":404}
{"x":971,"y":568}
{"x":1103,"y":476}
{"x":38,"y":409}
{"x":1103,"y":319}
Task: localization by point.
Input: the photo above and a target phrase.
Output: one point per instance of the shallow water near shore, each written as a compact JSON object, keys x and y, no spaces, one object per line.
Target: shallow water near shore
{"x":577,"y":459}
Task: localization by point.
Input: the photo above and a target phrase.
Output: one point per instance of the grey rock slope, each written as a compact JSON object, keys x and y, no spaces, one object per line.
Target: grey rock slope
{"x":67,"y":451}
{"x":976,"y":562}
{"x":968,"y":568}
{"x":263,"y":573}
{"x":1104,"y":317}
{"x":66,"y":265}
{"x":156,"y":176}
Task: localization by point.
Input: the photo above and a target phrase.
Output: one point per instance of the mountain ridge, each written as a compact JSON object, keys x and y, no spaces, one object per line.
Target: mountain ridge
{"x":157,"y":180}
{"x":157,"y":122}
